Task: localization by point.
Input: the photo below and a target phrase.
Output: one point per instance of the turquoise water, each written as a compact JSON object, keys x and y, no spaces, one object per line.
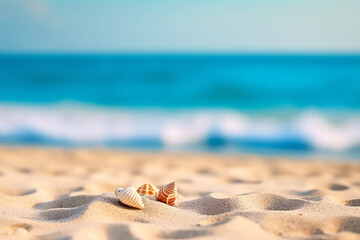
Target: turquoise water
{"x":239,"y":102}
{"x":176,"y":81}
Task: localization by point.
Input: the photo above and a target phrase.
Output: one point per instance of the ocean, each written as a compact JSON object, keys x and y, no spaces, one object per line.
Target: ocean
{"x":292,"y":104}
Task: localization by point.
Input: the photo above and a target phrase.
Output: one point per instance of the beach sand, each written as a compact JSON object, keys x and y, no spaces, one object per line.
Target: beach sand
{"x":69,"y":194}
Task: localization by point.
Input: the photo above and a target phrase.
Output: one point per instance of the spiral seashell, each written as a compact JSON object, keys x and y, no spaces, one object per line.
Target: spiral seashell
{"x":167,"y":194}
{"x":148,"y":190}
{"x":130,"y":197}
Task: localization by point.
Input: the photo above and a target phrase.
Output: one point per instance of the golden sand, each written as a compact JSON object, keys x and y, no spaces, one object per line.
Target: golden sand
{"x":69,"y":194}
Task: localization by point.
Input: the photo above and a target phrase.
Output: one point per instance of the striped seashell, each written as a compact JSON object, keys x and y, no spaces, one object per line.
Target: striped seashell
{"x":130,"y":197}
{"x":167,"y":194}
{"x":148,"y":190}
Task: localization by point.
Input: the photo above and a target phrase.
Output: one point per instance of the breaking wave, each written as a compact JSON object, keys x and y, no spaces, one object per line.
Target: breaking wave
{"x":82,"y":125}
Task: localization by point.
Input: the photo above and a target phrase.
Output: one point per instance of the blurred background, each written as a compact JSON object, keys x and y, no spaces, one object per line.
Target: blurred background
{"x":263,"y":77}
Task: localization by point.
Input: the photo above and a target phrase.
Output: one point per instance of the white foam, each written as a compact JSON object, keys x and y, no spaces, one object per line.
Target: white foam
{"x":83,"y":124}
{"x":329,"y":136}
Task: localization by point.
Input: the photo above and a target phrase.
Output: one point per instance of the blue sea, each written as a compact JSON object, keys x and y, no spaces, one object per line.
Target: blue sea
{"x":296,"y":104}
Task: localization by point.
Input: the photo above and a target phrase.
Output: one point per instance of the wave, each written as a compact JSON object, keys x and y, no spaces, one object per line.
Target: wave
{"x":82,"y":125}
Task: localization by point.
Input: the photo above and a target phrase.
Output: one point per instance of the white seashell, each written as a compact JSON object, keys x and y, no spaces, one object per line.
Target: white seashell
{"x":129,"y":196}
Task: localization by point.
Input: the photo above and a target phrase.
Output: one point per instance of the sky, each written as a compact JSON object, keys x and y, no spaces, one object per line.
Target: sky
{"x":180,"y":26}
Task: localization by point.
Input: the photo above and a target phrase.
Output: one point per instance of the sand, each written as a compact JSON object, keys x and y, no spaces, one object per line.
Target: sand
{"x":68,"y":194}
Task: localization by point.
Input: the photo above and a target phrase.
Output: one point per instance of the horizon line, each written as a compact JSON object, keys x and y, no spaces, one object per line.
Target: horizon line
{"x":189,"y":53}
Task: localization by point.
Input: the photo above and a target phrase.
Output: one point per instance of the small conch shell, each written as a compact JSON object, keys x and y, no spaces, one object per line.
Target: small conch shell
{"x":148,"y":190}
{"x":167,"y":194}
{"x":130,"y":197}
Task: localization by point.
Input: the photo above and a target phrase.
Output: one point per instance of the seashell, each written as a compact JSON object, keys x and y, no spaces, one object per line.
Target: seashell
{"x":167,"y":194}
{"x":129,"y":196}
{"x":148,"y":190}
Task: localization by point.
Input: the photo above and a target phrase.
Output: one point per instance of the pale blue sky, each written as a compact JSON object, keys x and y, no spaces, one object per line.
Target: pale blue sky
{"x":177,"y":26}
